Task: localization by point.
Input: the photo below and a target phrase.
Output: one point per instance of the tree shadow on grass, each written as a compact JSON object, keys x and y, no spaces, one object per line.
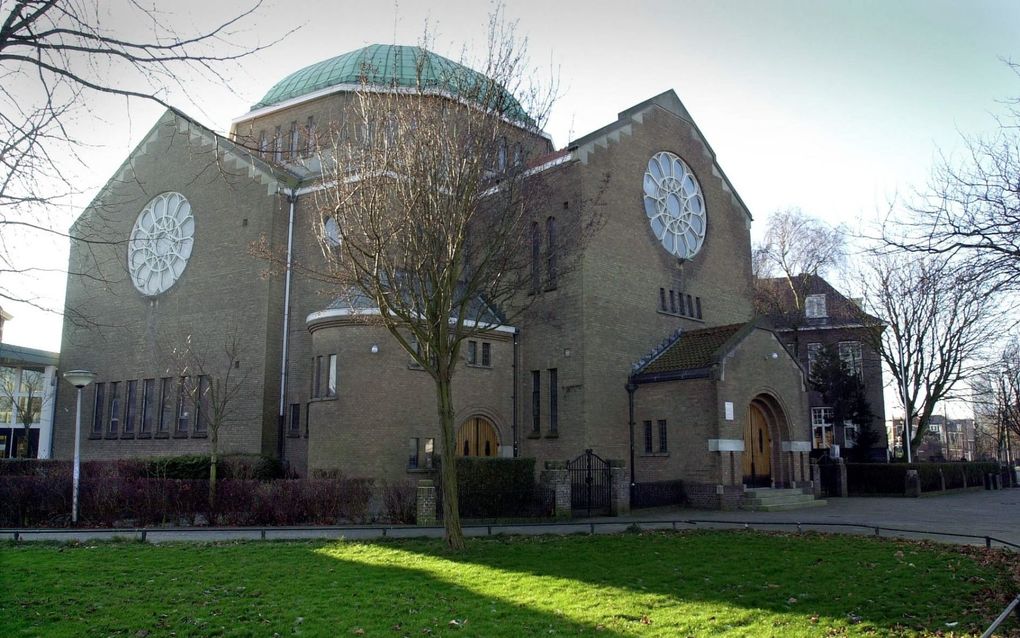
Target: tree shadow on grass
{"x":260,"y":589}
{"x":814,"y":581}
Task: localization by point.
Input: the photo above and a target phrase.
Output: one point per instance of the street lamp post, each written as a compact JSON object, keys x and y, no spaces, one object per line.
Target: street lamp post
{"x":79,"y":379}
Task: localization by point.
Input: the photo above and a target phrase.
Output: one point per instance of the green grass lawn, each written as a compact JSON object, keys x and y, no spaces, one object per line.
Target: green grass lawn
{"x":648,"y":584}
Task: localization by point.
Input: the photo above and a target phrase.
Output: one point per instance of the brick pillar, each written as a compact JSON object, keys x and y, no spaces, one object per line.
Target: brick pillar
{"x":942,"y":480}
{"x":816,"y":479}
{"x":912,"y":485}
{"x":619,"y":495}
{"x":842,"y":488}
{"x":426,"y":503}
{"x":556,"y":479}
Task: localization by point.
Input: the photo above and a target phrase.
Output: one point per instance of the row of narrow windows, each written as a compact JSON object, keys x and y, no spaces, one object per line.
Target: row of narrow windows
{"x":125,"y":409}
{"x":297,"y":142}
{"x":679,"y":303}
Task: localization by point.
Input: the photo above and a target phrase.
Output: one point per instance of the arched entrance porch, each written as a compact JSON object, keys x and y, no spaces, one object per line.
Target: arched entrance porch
{"x":764,"y":431}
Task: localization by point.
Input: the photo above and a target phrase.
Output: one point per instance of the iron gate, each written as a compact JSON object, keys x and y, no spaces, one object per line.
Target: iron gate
{"x":589,"y":483}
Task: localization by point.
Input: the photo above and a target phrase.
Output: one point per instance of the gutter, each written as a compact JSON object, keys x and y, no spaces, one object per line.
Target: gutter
{"x":292,"y":200}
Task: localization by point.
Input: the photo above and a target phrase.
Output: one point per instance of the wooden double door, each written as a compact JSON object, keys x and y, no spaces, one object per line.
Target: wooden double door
{"x":757,"y":450}
{"x":477,"y":437}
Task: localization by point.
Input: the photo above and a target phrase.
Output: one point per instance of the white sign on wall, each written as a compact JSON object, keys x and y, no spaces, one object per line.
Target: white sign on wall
{"x":729,"y":410}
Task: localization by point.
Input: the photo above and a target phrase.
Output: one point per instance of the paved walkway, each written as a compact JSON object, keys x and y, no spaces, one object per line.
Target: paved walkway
{"x":978,"y":513}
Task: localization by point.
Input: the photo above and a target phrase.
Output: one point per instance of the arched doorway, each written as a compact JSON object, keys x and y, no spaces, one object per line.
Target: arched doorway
{"x":757,"y":449}
{"x":477,"y":437}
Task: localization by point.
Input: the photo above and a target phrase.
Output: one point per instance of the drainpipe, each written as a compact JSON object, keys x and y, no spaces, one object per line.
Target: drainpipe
{"x":513,"y":426}
{"x":631,"y":389}
{"x":292,"y":200}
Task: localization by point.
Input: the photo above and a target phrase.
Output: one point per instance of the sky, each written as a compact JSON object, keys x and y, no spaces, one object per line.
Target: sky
{"x":837,"y":108}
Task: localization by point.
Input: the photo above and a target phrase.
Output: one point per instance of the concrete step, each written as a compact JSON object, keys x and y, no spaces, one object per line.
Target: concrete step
{"x":790,"y":506}
{"x":767,"y":491}
{"x":778,"y":499}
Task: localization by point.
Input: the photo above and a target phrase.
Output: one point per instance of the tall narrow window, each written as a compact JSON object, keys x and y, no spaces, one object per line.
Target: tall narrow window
{"x":814,"y":350}
{"x":295,"y":139}
{"x":331,"y":382}
{"x":310,"y":142}
{"x":430,"y":446}
{"x":263,"y":146}
{"x":536,"y":401}
{"x":662,"y":299}
{"x":278,"y":145}
{"x":536,"y":257}
{"x":518,"y":154}
{"x":554,"y":401}
{"x":501,"y":155}
{"x":690,"y":304}
{"x":486,"y":354}
{"x":97,"y":409}
{"x":148,"y":396}
{"x":648,"y":437}
{"x":202,"y":398}
{"x":183,"y":406}
{"x":114,"y":423}
{"x":166,"y":408}
{"x":672,"y":301}
{"x":662,"y":436}
{"x":295,"y":419}
{"x":472,"y":352}
{"x":697,"y":302}
{"x":551,"y":273}
{"x":129,"y":407}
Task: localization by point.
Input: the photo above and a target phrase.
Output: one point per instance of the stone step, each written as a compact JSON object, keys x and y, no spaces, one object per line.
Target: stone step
{"x":778,"y":499}
{"x":762,"y":491}
{"x":790,"y":506}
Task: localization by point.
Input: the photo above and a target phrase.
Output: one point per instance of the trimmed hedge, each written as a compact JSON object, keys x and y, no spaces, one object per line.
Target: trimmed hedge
{"x":890,"y":478}
{"x":45,"y":501}
{"x":187,"y":467}
{"x":495,"y":488}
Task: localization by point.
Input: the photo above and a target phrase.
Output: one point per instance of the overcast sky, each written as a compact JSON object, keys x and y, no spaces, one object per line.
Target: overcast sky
{"x":834,"y":107}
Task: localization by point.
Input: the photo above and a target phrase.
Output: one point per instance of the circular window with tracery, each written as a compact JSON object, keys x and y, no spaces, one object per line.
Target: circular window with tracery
{"x":161,"y":243}
{"x":674,"y":205}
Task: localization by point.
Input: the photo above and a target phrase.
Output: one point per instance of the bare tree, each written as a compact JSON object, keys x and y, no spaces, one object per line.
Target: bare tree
{"x":216,"y":382}
{"x":56,"y":59}
{"x":937,"y":319}
{"x":24,"y":394}
{"x":970,"y":210}
{"x":796,"y":249}
{"x":431,"y":210}
{"x":997,"y":402}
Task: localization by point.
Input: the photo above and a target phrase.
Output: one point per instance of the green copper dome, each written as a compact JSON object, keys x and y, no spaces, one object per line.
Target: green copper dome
{"x":389,"y":66}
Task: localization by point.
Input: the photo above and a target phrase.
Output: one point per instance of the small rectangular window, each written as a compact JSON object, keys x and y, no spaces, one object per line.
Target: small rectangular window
{"x":850,"y":355}
{"x":129,"y":407}
{"x":430,"y":446}
{"x":554,"y":399}
{"x":295,"y":418}
{"x":166,"y":408}
{"x":486,"y":354}
{"x":412,"y":453}
{"x":183,"y":405}
{"x":148,"y":396}
{"x":310,"y":136}
{"x":536,"y":401}
{"x":472,"y":352}
{"x":295,"y":139}
{"x":332,"y":379}
{"x":814,"y":306}
{"x":662,"y":436}
{"x":114,"y":423}
{"x":648,"y":437}
{"x":98,"y":407}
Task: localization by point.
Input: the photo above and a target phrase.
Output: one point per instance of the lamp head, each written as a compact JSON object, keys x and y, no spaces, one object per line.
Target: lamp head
{"x":79,"y":378}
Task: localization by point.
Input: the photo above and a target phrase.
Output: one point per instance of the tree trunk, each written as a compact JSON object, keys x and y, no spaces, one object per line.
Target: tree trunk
{"x":214,"y":440}
{"x":454,"y":535}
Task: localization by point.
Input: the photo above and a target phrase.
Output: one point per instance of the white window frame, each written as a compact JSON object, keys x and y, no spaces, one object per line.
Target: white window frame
{"x":813,"y":350}
{"x":851,"y":353}
{"x":814,"y":306}
{"x":850,"y":441}
{"x":822,"y":419}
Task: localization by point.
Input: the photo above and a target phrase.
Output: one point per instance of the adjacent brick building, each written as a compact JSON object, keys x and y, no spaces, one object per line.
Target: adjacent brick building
{"x":601,"y":361}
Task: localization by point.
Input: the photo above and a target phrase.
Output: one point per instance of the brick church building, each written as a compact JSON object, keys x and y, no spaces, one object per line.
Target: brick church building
{"x":652,"y":355}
